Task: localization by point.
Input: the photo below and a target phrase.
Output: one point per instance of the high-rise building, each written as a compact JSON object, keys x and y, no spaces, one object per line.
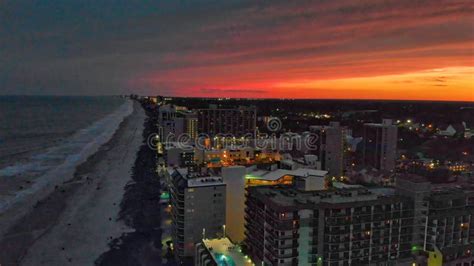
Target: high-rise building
{"x":237,"y":122}
{"x":198,"y":210}
{"x":166,"y":122}
{"x":191,"y":125}
{"x":330,"y":148}
{"x":450,"y":227}
{"x":380,"y":145}
{"x":417,"y":189}
{"x":173,"y":122}
{"x":444,"y":218}
{"x":237,"y":178}
{"x":186,"y":123}
{"x":287,"y":226}
{"x":234,"y":177}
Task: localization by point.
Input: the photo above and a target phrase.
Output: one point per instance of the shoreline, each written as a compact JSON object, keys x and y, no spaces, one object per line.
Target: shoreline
{"x":19,"y":192}
{"x":67,"y":225}
{"x":139,"y":209}
{"x":20,"y":155}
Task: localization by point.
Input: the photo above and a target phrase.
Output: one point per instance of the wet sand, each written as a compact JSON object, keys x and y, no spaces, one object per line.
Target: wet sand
{"x":140,"y":210}
{"x":75,"y":223}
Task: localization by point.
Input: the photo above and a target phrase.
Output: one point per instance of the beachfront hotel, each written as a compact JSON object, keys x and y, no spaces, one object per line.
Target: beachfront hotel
{"x":289,"y":226}
{"x":174,"y":121}
{"x":166,"y":121}
{"x":239,"y":178}
{"x":197,"y":210}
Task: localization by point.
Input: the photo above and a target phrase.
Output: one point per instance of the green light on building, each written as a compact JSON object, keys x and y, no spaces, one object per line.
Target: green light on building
{"x":165,"y":196}
{"x":415,"y":248}
{"x":319,"y":261}
{"x":250,"y":177}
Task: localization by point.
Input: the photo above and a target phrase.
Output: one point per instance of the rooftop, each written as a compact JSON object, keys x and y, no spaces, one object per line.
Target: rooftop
{"x":412,"y":178}
{"x":195,"y":181}
{"x":276,"y":174}
{"x":379,"y":125}
{"x":287,"y":196}
{"x":205,"y":181}
{"x":225,"y":253}
{"x":447,"y":187}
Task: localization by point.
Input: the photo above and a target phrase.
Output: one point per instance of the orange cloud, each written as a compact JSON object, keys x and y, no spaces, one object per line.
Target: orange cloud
{"x":455,"y":84}
{"x":368,"y":50}
{"x":306,"y":49}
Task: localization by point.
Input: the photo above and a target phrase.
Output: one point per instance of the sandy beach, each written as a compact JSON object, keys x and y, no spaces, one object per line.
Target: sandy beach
{"x":74,"y":224}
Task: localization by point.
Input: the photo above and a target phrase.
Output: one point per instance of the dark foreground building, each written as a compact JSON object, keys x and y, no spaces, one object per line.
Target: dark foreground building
{"x":286,"y":226}
{"x":444,"y":224}
{"x":197,"y":210}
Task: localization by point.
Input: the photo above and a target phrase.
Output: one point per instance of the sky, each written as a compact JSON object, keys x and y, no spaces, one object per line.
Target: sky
{"x":345,"y":49}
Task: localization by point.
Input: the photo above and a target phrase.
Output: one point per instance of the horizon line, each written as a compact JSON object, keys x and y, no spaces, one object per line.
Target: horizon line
{"x":239,"y":98}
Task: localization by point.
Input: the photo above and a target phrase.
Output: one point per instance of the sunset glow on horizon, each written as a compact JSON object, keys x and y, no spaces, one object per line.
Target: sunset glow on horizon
{"x":445,"y":84}
{"x":368,"y":49}
{"x":422,"y":85}
{"x":394,"y":51}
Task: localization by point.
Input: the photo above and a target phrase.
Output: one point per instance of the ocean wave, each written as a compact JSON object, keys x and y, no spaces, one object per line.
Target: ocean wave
{"x":57,"y":164}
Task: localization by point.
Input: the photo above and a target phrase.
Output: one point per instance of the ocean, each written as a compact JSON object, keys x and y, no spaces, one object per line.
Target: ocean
{"x":44,"y":138}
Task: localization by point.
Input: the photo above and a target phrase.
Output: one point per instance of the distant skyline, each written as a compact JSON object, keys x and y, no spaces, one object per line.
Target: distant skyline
{"x":369,"y":49}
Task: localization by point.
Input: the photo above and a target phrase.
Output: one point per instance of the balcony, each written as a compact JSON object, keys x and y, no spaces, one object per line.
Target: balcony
{"x":282,"y":237}
{"x":277,"y":255}
{"x":284,"y":225}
